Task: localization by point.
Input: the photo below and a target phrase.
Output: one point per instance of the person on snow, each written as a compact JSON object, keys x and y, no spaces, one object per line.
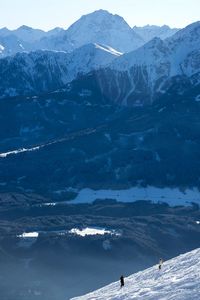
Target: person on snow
{"x":122,"y":281}
{"x":160,"y":263}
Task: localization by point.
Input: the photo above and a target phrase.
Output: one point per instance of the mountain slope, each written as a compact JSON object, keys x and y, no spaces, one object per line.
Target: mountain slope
{"x":179,"y":279}
{"x":155,"y":145}
{"x":10,"y":45}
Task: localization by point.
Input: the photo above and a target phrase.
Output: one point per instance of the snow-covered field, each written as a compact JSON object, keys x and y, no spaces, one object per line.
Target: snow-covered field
{"x":179,"y":279}
{"x":154,"y":194}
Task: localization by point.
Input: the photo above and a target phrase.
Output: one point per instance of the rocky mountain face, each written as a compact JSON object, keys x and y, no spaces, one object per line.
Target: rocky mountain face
{"x":10,"y":45}
{"x":43,"y":71}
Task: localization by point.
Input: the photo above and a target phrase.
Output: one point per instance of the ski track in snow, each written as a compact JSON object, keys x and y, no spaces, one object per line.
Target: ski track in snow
{"x":179,"y":279}
{"x":21,"y":150}
{"x":69,"y":137}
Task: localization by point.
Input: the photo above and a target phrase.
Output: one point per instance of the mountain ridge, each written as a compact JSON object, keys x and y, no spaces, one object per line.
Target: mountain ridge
{"x":99,"y":26}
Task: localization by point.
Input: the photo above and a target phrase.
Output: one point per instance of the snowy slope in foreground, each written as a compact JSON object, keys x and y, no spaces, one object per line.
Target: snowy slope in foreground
{"x":178,"y":280}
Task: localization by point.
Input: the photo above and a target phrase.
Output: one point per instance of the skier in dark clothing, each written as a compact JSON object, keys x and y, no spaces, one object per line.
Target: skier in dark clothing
{"x":122,"y":281}
{"x":160,"y":263}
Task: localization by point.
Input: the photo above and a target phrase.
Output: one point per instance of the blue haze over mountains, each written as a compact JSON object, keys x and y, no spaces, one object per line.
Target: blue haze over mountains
{"x":100,"y":105}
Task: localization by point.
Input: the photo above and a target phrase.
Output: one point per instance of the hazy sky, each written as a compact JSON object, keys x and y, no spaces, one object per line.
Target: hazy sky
{"x":46,"y":14}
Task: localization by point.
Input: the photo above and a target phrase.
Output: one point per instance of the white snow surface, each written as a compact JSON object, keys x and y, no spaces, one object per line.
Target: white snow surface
{"x":5,"y":154}
{"x":172,"y":196}
{"x":1,"y":48}
{"x":29,"y":235}
{"x":179,"y":279}
{"x":92,"y":231}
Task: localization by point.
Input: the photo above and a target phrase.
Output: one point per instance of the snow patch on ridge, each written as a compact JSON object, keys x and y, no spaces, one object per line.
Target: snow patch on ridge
{"x":92,"y":231}
{"x":5,"y":154}
{"x":108,"y":49}
{"x":29,"y":235}
{"x":1,"y":48}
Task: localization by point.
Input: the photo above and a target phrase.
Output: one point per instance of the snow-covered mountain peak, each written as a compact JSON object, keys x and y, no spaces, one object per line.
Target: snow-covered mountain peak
{"x":102,"y":27}
{"x":148,"y":32}
{"x":54,"y":31}
{"x":4,"y":28}
{"x":151,"y":53}
{"x":170,"y":52}
{"x":28,"y":34}
{"x":152,"y":69}
{"x":153,"y":27}
{"x":4,"y":31}
{"x":184,"y":42}
{"x":24,"y":27}
{"x":155,"y":42}
{"x":178,"y":279}
{"x":98,"y":18}
{"x":189,"y":33}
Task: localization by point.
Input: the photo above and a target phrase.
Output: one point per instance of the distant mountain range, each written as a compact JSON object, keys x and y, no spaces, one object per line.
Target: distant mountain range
{"x":133,"y":78}
{"x":99,"y":27}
